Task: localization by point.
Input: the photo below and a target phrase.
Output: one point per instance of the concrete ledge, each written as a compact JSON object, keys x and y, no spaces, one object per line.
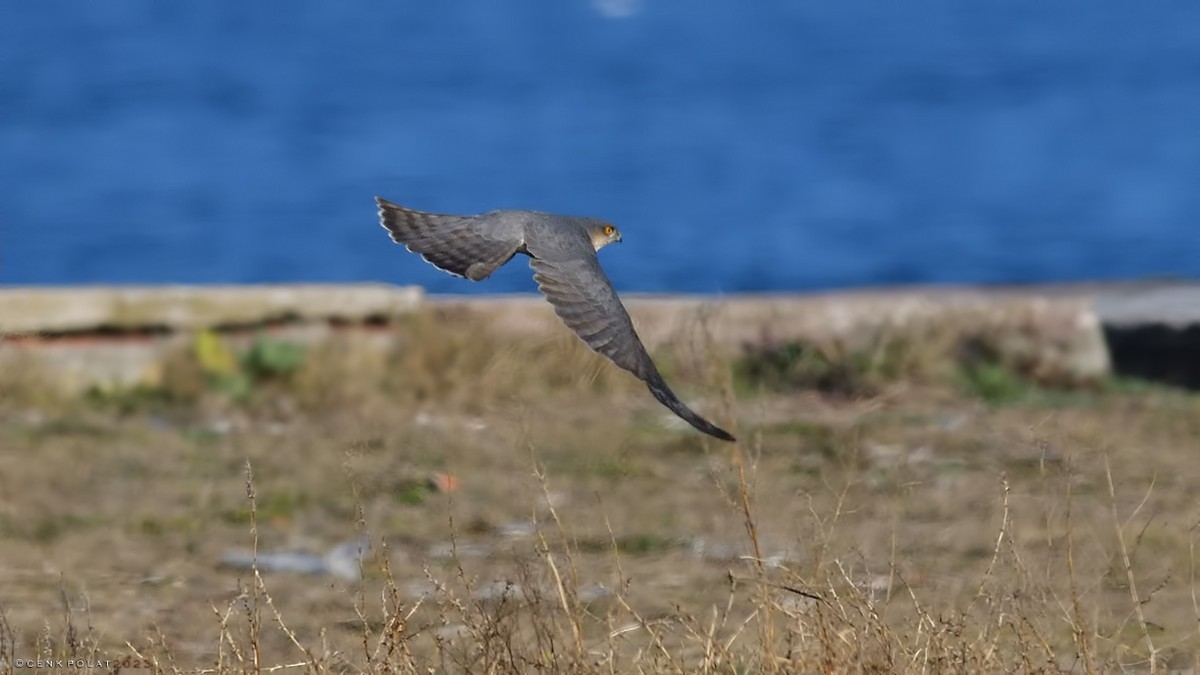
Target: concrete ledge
{"x":1056,"y":333}
{"x":117,"y":335}
{"x":1159,"y":304}
{"x":742,"y":318}
{"x":82,"y":309}
{"x":1153,"y":331}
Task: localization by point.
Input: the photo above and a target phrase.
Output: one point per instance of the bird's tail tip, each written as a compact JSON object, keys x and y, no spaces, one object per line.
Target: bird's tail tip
{"x":723,"y":435}
{"x":714,"y":430}
{"x":667,"y":398}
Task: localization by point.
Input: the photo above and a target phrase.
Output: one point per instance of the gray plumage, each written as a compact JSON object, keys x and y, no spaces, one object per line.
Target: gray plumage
{"x":562,"y":252}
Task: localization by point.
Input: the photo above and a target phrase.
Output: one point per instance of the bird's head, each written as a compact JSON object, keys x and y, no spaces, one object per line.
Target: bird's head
{"x":603,"y":234}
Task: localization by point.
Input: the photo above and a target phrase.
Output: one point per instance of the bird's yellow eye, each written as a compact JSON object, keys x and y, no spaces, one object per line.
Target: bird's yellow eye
{"x":608,"y":230}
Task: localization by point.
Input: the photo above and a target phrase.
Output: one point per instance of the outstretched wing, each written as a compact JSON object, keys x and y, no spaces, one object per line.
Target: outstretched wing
{"x":465,"y":246}
{"x":585,"y":300}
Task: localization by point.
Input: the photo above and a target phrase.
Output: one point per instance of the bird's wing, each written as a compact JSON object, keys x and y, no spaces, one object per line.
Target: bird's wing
{"x":465,"y":246}
{"x":585,"y":300}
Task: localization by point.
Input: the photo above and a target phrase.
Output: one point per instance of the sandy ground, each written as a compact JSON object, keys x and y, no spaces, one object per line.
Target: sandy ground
{"x":845,"y":532}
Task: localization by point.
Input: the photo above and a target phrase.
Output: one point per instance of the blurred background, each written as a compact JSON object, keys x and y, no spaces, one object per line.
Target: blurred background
{"x":741,"y":147}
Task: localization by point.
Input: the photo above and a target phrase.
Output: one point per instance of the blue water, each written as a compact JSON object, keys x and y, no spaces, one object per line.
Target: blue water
{"x":740,"y":146}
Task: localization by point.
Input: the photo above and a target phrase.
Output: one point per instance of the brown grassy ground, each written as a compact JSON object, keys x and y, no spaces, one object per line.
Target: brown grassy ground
{"x":901,"y":519}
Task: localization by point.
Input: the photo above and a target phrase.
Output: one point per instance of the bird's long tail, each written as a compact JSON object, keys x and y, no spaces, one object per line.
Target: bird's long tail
{"x":663,"y":393}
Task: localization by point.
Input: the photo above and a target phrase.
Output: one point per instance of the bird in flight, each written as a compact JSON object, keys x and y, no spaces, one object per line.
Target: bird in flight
{"x":562,"y":252}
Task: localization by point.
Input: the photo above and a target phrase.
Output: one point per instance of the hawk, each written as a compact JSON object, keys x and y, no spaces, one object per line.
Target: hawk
{"x":562,"y":252}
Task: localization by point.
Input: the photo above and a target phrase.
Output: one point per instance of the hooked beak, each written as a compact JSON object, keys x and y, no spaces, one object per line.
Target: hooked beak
{"x":618,"y":239}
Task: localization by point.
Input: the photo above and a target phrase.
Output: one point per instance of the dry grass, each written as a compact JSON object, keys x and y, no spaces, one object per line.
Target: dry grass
{"x":911,"y":528}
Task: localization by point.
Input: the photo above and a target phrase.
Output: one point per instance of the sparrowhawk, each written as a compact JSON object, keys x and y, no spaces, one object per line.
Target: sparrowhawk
{"x":562,"y":252}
